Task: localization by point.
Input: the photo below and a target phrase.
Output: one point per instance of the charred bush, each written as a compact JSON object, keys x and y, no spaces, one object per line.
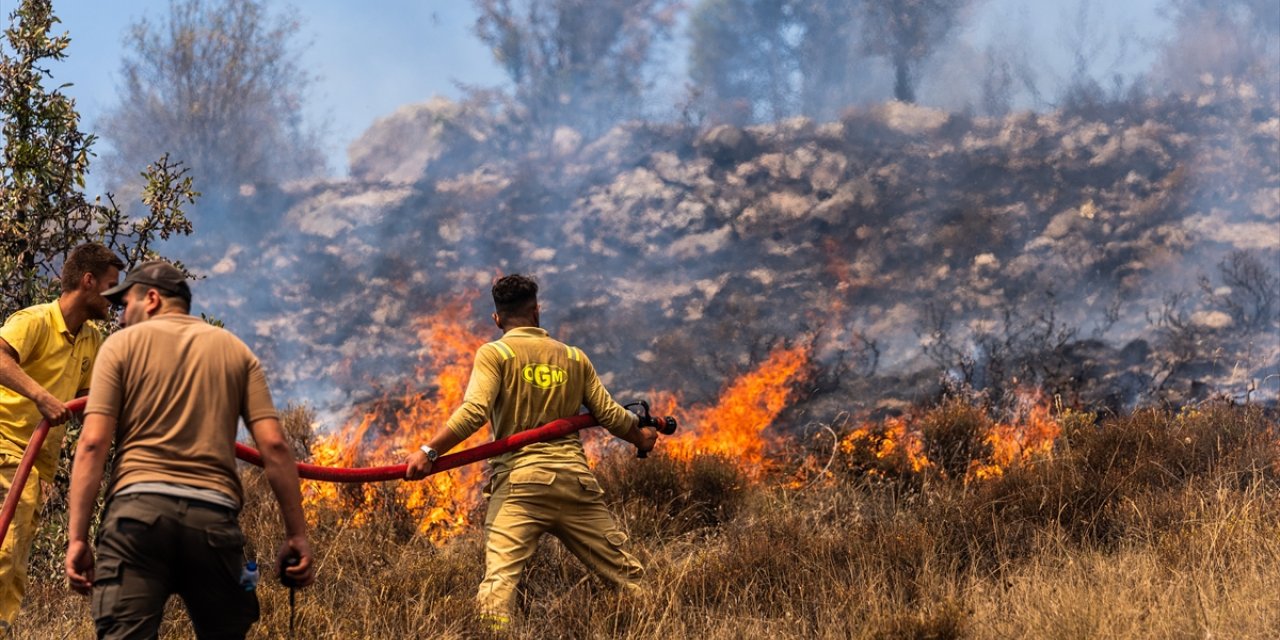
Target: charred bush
{"x":298,"y":422}
{"x":1002,"y":518}
{"x":888,"y":455}
{"x":659,"y":480}
{"x":1025,"y":343}
{"x":715,"y":490}
{"x":942,"y":466}
{"x":1205,"y":335}
{"x":666,"y":496}
{"x":1249,"y":292}
{"x":1088,"y":489}
{"x":953,"y":435}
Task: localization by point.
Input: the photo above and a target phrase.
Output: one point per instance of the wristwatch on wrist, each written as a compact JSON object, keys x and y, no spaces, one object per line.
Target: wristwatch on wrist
{"x":432,"y":454}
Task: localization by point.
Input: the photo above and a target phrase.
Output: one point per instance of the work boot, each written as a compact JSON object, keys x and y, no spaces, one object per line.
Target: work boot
{"x":495,"y":622}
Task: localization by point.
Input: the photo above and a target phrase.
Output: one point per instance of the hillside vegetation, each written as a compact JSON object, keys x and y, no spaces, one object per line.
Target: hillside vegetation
{"x":1158,"y":524}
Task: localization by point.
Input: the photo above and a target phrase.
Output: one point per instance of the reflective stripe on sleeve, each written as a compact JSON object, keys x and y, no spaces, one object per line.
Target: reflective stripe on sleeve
{"x":506,"y":351}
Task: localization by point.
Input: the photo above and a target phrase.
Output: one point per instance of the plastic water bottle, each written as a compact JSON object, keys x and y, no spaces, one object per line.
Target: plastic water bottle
{"x":249,"y":576}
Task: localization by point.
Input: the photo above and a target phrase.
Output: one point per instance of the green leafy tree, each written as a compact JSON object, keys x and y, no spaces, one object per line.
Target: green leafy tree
{"x":45,"y":157}
{"x":44,"y":213}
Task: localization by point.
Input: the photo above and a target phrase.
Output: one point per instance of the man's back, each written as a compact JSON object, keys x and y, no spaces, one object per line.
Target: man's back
{"x":178,"y":386}
{"x":527,"y":379}
{"x":168,"y":390}
{"x":520,"y":381}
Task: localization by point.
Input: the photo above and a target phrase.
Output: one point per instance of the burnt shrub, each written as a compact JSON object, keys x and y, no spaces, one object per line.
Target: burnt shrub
{"x":715,"y":490}
{"x":994,"y":521}
{"x":1158,"y":448}
{"x":1099,"y":475}
{"x":888,"y":455}
{"x":1225,"y":440}
{"x":298,"y":422}
{"x":953,"y":434}
{"x":658,"y":480}
{"x":666,"y":496}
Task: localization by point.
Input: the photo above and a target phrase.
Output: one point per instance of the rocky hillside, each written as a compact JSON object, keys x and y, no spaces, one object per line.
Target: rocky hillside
{"x":1122,"y":254}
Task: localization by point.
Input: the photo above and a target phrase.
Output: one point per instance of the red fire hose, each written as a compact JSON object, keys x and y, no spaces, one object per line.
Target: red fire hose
{"x":24,"y":468}
{"x":549,"y":431}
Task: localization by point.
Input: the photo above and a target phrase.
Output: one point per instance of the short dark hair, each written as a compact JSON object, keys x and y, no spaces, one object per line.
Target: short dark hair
{"x":90,"y":257}
{"x":515,"y":295}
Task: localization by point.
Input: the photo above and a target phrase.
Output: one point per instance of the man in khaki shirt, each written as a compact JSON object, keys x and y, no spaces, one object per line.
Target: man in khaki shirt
{"x":519,"y":382}
{"x":170,"y":389}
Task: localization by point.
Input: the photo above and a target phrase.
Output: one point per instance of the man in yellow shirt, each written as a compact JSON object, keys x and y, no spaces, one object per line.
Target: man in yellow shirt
{"x":519,"y":382}
{"x":46,"y":360}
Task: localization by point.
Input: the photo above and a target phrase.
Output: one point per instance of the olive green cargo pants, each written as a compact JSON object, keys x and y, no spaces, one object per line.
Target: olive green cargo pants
{"x":567,"y":503}
{"x":151,"y":546}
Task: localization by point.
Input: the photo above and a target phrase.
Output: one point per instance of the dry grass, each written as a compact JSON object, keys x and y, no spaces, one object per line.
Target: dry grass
{"x":1155,"y":525}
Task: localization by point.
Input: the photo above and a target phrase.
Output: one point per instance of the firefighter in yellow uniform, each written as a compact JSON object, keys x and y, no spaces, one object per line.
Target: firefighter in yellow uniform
{"x":46,"y":360}
{"x":524,"y":380}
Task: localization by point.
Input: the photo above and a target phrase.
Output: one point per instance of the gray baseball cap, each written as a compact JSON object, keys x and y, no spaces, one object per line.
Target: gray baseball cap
{"x":154,"y":273}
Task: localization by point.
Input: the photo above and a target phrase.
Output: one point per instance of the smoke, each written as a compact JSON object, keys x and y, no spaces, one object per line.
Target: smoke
{"x":1016,"y":226}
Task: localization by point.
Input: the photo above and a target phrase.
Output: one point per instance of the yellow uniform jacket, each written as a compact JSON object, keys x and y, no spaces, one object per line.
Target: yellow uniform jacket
{"x":527,"y":379}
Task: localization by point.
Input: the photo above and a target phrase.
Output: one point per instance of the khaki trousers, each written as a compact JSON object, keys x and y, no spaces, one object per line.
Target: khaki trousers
{"x":568,"y":504}
{"x":16,"y":551}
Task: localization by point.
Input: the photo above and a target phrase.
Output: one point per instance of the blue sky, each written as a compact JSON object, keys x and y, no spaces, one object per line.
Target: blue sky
{"x":369,"y":58}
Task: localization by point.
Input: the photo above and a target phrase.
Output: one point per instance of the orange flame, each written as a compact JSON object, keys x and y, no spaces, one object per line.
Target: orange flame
{"x":440,"y":503}
{"x":897,"y":441}
{"x":897,"y":446}
{"x":736,"y":425}
{"x":1028,"y":437}
{"x":894,"y":445}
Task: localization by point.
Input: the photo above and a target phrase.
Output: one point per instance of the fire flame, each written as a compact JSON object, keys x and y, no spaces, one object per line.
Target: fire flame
{"x":896,"y":443}
{"x":397,"y":424}
{"x":736,"y":426}
{"x":897,"y":446}
{"x":1027,"y":438}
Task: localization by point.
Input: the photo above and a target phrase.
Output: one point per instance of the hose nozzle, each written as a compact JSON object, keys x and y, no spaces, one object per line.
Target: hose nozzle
{"x":666,"y":425}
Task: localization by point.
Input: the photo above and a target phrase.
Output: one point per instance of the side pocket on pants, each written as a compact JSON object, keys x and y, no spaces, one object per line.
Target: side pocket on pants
{"x":590,"y":485}
{"x":228,"y":542}
{"x":129,"y":514}
{"x":106,"y":589}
